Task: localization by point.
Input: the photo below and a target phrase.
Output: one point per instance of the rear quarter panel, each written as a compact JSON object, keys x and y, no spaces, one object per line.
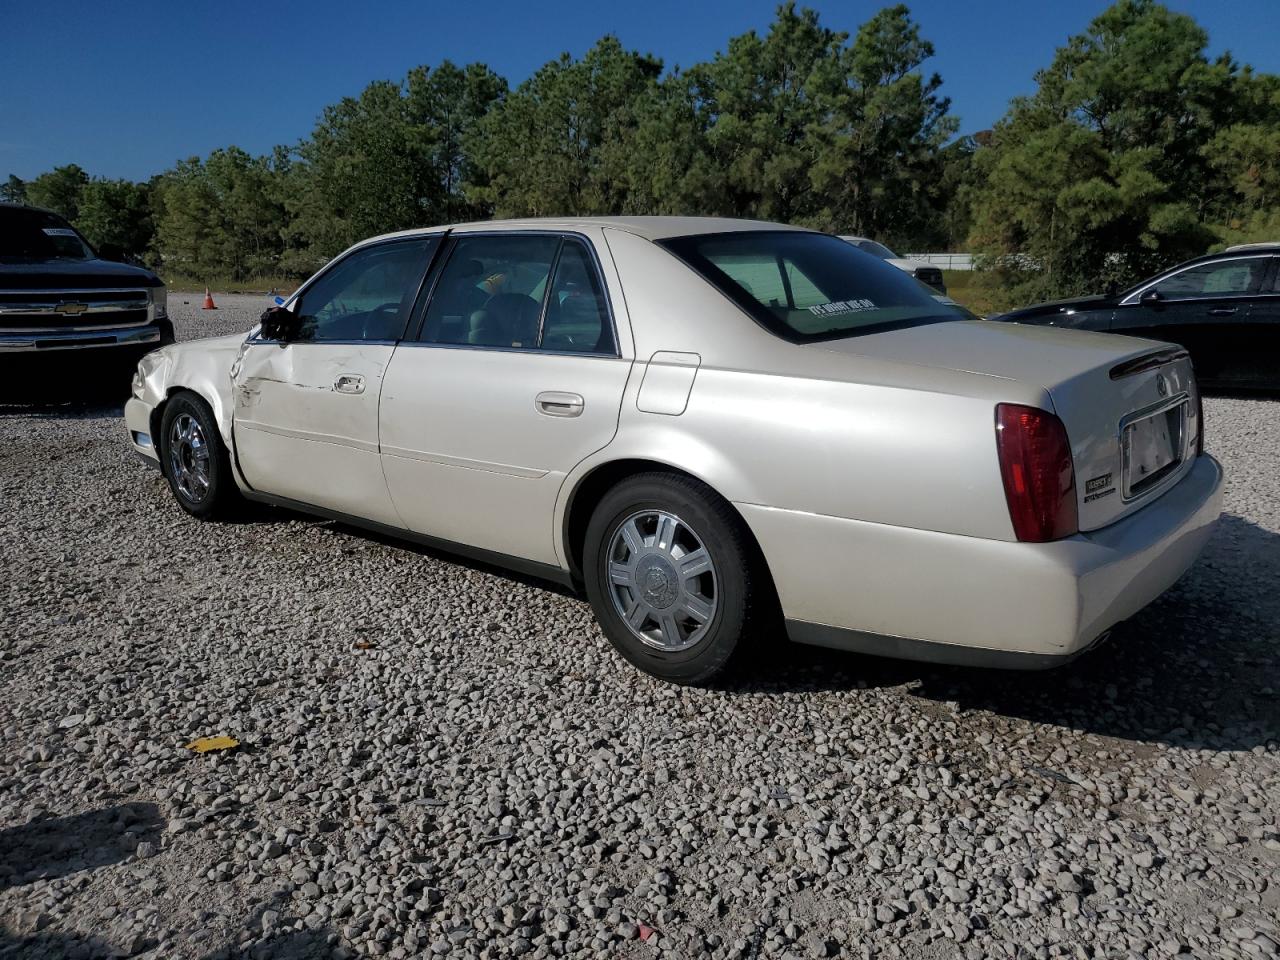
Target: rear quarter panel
{"x":800,"y":428}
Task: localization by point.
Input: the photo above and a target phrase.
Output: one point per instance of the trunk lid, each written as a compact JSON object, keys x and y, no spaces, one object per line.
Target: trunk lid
{"x":1129,"y":405}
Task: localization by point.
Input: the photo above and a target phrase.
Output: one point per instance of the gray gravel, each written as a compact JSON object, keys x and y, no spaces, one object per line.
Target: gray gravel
{"x":440,"y":760}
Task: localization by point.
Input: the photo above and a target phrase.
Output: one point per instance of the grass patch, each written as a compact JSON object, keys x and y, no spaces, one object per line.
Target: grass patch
{"x":256,"y":285}
{"x":964,"y":288}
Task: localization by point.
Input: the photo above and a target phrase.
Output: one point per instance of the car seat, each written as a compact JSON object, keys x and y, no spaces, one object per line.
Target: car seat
{"x":506,"y":320}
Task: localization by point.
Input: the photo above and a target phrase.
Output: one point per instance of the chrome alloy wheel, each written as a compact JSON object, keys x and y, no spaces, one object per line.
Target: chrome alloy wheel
{"x":189,"y":458}
{"x":661,"y":580}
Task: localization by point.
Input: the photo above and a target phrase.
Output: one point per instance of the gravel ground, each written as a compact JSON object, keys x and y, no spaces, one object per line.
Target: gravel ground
{"x":439,"y":759}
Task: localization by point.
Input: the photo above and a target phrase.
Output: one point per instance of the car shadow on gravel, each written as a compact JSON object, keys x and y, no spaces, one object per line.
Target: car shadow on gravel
{"x":39,"y":391}
{"x":1199,"y":668}
{"x":435,"y":553}
{"x":47,"y":848}
{"x":55,"y":946}
{"x":293,"y":945}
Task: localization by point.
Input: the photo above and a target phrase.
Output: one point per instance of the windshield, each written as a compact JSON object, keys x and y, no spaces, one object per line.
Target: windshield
{"x":30,"y":234}
{"x":810,"y":286}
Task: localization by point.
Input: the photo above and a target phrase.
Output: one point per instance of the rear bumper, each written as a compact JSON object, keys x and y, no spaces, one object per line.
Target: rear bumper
{"x":918,"y":594}
{"x":145,"y":337}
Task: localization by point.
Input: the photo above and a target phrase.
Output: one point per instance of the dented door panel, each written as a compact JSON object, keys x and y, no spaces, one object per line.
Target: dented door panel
{"x":306,"y":424}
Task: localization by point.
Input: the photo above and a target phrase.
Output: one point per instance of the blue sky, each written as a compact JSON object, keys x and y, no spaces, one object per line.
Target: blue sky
{"x":127,"y":89}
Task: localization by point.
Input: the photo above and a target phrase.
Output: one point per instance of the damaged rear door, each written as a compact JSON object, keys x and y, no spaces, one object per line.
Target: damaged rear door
{"x":306,"y":407}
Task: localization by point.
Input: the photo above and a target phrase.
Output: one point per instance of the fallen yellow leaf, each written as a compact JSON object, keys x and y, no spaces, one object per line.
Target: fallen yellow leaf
{"x":205,"y":744}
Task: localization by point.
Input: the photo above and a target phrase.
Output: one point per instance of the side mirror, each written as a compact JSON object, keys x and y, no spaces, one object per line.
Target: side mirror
{"x":1151,"y":297}
{"x":277,"y":323}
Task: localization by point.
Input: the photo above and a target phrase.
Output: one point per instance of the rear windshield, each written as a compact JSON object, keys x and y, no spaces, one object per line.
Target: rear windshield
{"x":810,"y":286}
{"x":37,"y":235}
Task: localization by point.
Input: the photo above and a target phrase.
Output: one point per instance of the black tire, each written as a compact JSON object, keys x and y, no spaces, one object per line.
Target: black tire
{"x":219,"y":497}
{"x":739,"y":582}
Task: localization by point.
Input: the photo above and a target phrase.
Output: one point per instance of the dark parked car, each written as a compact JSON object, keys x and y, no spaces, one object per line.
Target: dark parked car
{"x":61,"y":301}
{"x":1224,"y":308}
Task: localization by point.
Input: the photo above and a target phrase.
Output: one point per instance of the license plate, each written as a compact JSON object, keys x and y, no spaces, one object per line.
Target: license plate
{"x":1153,"y":448}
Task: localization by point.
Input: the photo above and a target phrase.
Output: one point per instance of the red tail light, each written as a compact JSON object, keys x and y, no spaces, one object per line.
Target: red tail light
{"x":1039,"y":478}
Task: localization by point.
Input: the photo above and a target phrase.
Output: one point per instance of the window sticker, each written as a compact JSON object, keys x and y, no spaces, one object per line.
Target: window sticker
{"x":59,"y":232}
{"x":841,"y":307}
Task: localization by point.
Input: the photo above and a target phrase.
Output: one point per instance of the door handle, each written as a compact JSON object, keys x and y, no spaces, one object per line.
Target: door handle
{"x":553,"y":403}
{"x":1222,"y":311}
{"x":349,"y":383}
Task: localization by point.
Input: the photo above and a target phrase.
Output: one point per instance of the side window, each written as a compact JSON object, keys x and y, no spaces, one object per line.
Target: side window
{"x":577,"y":317}
{"x":1222,"y":278}
{"x":1275,"y":274}
{"x":491,"y":291}
{"x":367,"y":295}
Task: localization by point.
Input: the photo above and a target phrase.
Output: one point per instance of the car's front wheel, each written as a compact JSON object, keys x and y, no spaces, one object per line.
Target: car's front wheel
{"x":673,"y":576}
{"x":194,"y":458}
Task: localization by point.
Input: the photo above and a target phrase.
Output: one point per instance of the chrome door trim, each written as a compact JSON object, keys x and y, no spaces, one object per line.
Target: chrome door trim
{"x":336,"y":439}
{"x":506,"y":469}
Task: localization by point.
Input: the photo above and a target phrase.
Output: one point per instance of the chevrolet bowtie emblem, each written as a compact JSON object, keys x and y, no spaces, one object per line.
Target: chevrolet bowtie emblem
{"x":71,"y":309}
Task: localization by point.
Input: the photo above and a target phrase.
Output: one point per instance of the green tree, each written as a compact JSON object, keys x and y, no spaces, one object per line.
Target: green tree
{"x":365,"y":170}
{"x":767,"y":97}
{"x":219,"y":217}
{"x":450,"y":102}
{"x":116,"y":215}
{"x":59,"y":190}
{"x":1113,"y":169}
{"x":558,"y":144}
{"x":13,"y":190}
{"x":802,"y":125}
{"x":880,"y":168}
{"x":1245,"y":156}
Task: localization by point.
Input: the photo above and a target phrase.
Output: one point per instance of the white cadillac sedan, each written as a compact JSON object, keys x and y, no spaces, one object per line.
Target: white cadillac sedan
{"x":719,"y":429}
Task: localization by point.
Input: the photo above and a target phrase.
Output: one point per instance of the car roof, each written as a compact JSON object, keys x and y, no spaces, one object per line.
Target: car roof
{"x":28,"y":208}
{"x":1264,"y":245}
{"x":651,"y":228}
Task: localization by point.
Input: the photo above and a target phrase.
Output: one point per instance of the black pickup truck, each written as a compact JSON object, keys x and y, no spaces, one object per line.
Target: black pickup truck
{"x":61,"y":302}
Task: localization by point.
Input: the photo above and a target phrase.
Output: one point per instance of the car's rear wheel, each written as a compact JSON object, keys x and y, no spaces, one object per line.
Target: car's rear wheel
{"x":194,"y":459}
{"x":673,"y":576}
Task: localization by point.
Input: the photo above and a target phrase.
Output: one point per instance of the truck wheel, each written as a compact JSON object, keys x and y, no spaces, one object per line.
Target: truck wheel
{"x":674,"y":577}
{"x":194,"y":459}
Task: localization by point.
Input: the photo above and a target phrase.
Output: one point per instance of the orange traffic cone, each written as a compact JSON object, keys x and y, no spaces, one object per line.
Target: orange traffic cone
{"x":208,"y":301}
